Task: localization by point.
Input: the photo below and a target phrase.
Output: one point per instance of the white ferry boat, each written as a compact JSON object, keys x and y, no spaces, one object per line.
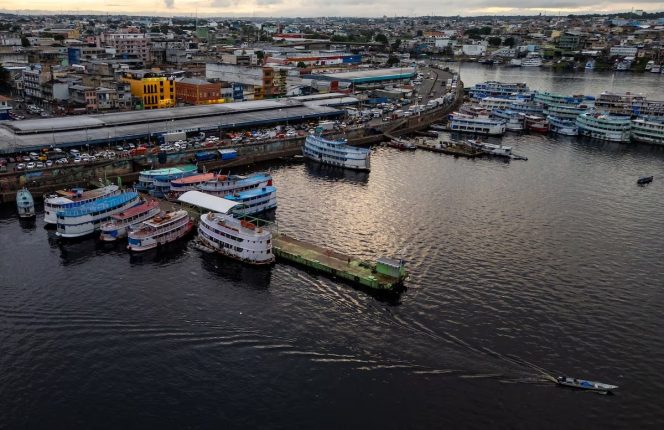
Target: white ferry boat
{"x":498,"y":89}
{"x":470,"y":124}
{"x":122,"y":222}
{"x":491,"y":103}
{"x":568,"y":112}
{"x":159,"y":230}
{"x":527,"y":107}
{"x":620,"y":104}
{"x":86,"y":219}
{"x":236,"y":238}
{"x":336,"y":153}
{"x":25,"y":204}
{"x":604,"y":126}
{"x":223,"y":185}
{"x":158,"y":181}
{"x":254,"y":201}
{"x":648,"y":130}
{"x":474,"y":110}
{"x":513,"y":120}
{"x":563,"y":126}
{"x":65,"y":199}
{"x":554,"y":100}
{"x":188,"y":183}
{"x":532,"y":61}
{"x":536,"y":123}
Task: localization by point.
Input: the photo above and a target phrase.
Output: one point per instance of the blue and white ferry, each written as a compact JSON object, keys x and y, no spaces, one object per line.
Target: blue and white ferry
{"x":498,"y":89}
{"x":513,"y":120}
{"x":223,"y":185}
{"x":563,"y":126}
{"x":336,"y":153}
{"x":158,"y":181}
{"x":86,"y":219}
{"x":66,"y":199}
{"x":254,"y":201}
{"x":475,"y":125}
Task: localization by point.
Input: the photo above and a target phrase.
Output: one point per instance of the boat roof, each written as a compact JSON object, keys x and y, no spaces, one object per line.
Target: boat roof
{"x":158,"y":220}
{"x":143,"y":207}
{"x":170,"y":170}
{"x":251,"y":193}
{"x":207,"y":201}
{"x":99,"y":205}
{"x":195,"y":178}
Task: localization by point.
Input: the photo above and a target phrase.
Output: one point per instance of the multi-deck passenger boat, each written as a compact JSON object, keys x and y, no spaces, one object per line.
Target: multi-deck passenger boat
{"x":25,"y":204}
{"x":553,"y":99}
{"x":86,"y":219}
{"x":498,"y":89}
{"x":474,"y":110}
{"x":159,"y":230}
{"x":648,"y":130}
{"x":223,"y":185}
{"x":491,"y":103}
{"x":65,"y":199}
{"x":254,"y":201}
{"x":527,"y":107}
{"x":629,"y":104}
{"x":122,"y":222}
{"x":336,"y":153}
{"x":158,"y":182}
{"x":536,"y":123}
{"x":567,"y":111}
{"x":513,"y":120}
{"x":236,"y":238}
{"x":604,"y":126}
{"x":476,"y":125}
{"x":188,"y":183}
{"x":563,"y":126}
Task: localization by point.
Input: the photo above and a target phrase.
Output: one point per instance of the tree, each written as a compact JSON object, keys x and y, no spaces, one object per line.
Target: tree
{"x":510,"y":41}
{"x":59,"y":37}
{"x":381,"y":38}
{"x":392,"y":60}
{"x":25,"y":42}
{"x":396,"y":44}
{"x":301,"y":65}
{"x":419,"y":33}
{"x":5,"y":80}
{"x":495,"y":41}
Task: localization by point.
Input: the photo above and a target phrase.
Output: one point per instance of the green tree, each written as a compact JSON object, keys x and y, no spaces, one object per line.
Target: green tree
{"x":301,"y":65}
{"x":510,"y":41}
{"x":25,"y":42}
{"x":381,"y":38}
{"x":59,"y":37}
{"x":396,"y":44}
{"x":392,"y":60}
{"x":495,"y":41}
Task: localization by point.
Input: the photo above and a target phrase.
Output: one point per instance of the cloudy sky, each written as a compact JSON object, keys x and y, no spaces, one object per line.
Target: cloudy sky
{"x":307,"y":8}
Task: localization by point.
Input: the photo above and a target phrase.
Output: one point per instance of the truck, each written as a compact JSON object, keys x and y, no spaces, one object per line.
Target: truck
{"x":326,"y":125}
{"x":171,"y":137}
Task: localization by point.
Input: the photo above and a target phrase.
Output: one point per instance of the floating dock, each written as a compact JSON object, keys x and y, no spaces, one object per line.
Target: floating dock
{"x":449,"y":149}
{"x":384,"y":274}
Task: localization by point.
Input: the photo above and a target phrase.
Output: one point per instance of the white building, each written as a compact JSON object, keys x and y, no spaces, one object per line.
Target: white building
{"x":623,"y":51}
{"x":473,"y":50}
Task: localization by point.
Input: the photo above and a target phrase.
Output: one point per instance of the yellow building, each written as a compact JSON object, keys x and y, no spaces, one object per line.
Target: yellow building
{"x":151,"y":89}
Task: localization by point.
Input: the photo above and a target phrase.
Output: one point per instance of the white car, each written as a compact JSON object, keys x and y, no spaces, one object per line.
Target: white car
{"x":39,"y":165}
{"x":77,"y":160}
{"x":20,"y":166}
{"x":49,"y":163}
{"x":30,"y":165}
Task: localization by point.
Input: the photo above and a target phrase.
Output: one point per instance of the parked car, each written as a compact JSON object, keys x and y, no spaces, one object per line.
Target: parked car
{"x":30,"y":165}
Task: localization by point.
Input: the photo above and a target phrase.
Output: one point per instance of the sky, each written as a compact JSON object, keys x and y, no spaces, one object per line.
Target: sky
{"x":309,"y":8}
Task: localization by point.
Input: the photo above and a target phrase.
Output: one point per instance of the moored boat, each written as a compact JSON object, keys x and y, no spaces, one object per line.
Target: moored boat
{"x":536,"y":123}
{"x":491,"y":148}
{"x":122,"y":222}
{"x":648,"y":130}
{"x":86,"y":219}
{"x":158,"y":181}
{"x":402,"y":145}
{"x":644,"y":180}
{"x":513,"y":120}
{"x":66,"y":199}
{"x":477,"y":125}
{"x":583,"y":384}
{"x":188,"y":183}
{"x":603,"y":126}
{"x":336,"y":153}
{"x":236,"y":238}
{"x":159,"y":230}
{"x":25,"y":204}
{"x":254,"y":201}
{"x":222,"y":185}
{"x":562,"y":126}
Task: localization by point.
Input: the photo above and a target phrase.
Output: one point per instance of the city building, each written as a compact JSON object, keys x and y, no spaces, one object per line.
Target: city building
{"x":151,"y":89}
{"x":198,"y":91}
{"x":623,"y":51}
{"x":128,"y":44}
{"x":5,"y":108}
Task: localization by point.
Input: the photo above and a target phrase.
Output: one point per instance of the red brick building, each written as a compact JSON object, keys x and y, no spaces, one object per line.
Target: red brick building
{"x":198,"y":92}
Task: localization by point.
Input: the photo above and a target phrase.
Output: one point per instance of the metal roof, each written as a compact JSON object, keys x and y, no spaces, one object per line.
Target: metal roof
{"x":369,"y":75}
{"x":207,"y":201}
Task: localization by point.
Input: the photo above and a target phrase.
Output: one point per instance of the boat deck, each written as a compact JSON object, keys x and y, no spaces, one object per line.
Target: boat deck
{"x":457,"y":150}
{"x":331,"y":262}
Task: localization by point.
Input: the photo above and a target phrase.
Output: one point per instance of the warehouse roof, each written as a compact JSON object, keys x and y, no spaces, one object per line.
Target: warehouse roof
{"x":369,"y":75}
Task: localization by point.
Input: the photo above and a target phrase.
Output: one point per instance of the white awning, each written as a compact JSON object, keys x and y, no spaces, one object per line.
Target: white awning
{"x":207,"y":201}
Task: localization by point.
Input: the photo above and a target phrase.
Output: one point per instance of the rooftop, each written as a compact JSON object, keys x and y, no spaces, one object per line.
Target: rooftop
{"x":207,"y":201}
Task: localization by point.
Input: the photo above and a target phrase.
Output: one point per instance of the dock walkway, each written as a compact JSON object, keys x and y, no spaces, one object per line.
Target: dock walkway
{"x":333,"y":263}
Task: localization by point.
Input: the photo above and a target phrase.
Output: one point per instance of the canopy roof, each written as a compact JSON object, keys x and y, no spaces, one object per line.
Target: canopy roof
{"x":207,"y":201}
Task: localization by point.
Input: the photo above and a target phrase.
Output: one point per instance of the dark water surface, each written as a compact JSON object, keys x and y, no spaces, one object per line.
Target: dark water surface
{"x":555,"y":262}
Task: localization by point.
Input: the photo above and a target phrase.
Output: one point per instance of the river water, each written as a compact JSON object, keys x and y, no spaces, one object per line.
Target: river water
{"x":551,"y":263}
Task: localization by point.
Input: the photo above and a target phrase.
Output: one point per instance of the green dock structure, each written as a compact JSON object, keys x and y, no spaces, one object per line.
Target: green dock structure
{"x":384,"y":274}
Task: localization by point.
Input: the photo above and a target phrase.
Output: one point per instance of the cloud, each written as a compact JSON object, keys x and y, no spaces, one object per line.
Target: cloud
{"x":170,"y":4}
{"x":268,"y":2}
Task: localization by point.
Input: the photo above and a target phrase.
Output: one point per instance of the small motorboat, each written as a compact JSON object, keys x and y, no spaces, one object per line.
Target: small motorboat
{"x":644,"y":180}
{"x":402,"y":145}
{"x":25,"y":203}
{"x":582,"y":384}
